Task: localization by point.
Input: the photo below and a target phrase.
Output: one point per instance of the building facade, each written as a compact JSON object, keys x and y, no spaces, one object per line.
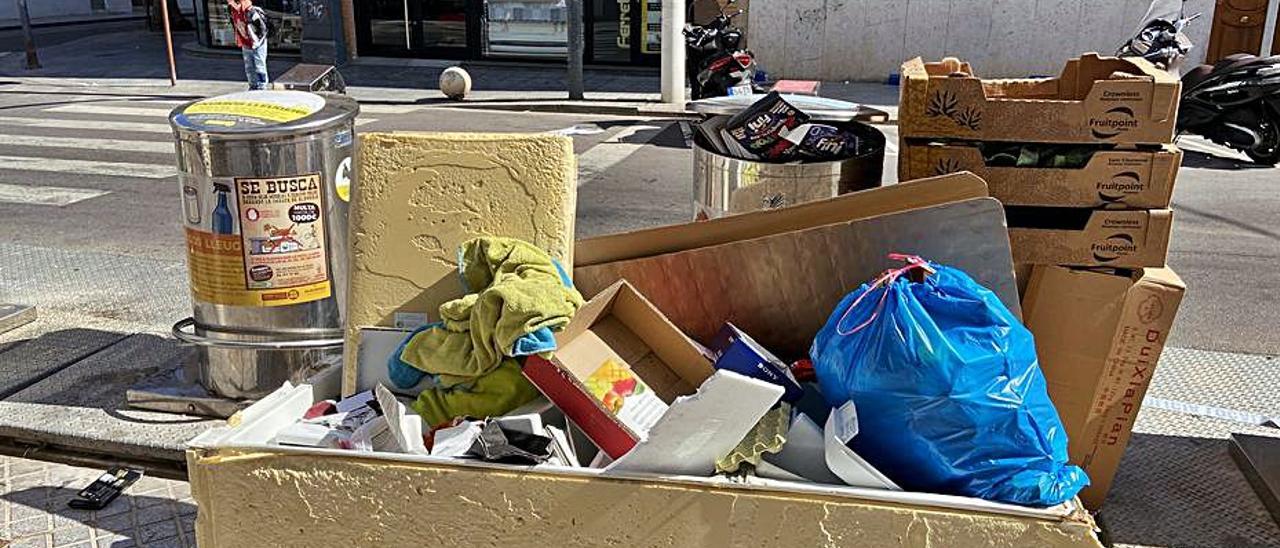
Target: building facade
{"x":624,"y":32}
{"x":44,"y":9}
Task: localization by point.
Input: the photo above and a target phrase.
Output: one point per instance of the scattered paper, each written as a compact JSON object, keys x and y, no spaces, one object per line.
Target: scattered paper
{"x":406,"y":428}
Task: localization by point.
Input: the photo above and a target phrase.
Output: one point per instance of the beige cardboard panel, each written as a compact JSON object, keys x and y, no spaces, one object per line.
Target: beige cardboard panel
{"x":421,"y":195}
{"x":1094,"y":100}
{"x":781,"y":289}
{"x":1099,"y":337}
{"x":330,"y":501}
{"x":1135,"y":179}
{"x":856,"y":205}
{"x":1112,"y":238}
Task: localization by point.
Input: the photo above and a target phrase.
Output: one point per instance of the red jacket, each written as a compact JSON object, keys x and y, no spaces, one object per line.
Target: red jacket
{"x":250,"y":25}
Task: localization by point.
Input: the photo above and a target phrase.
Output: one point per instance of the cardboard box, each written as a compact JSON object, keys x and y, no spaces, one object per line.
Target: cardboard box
{"x":1090,"y":237}
{"x":1099,"y":336}
{"x":736,"y":351}
{"x":1131,"y":179}
{"x":618,"y":337}
{"x":308,"y":494}
{"x":1094,"y":100}
{"x":782,"y":288}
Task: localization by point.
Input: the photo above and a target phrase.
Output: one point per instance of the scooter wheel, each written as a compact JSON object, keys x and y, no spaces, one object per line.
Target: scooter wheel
{"x":1268,"y":151}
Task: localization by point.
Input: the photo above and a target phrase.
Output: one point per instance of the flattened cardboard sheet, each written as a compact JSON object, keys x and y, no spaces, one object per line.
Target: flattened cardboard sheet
{"x":932,"y":191}
{"x":782,"y":288}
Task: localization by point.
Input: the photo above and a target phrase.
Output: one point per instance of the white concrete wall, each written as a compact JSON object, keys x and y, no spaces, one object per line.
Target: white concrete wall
{"x":869,"y":39}
{"x":61,"y":8}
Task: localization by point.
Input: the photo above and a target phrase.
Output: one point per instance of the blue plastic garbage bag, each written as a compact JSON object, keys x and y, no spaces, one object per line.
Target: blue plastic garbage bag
{"x":949,"y":393}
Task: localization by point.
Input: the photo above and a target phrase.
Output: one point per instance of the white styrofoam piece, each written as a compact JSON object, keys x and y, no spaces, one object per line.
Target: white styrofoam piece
{"x":842,"y":461}
{"x":696,"y":430}
{"x":804,"y":454}
{"x":305,"y":434}
{"x":262,"y":421}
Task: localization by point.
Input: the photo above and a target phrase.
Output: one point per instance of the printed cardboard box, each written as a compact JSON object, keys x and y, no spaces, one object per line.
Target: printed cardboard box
{"x":1089,"y":237}
{"x":1130,"y":179}
{"x":1099,"y":335}
{"x":1094,"y":100}
{"x":618,"y":365}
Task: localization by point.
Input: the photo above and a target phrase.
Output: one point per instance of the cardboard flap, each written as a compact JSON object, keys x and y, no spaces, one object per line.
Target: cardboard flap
{"x":1161,"y":276}
{"x":932,"y":191}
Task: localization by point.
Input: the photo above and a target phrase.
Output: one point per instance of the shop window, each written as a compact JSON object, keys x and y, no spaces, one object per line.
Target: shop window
{"x":286,"y":14}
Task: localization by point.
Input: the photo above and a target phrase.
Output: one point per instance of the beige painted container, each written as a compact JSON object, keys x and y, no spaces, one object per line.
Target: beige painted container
{"x":251,"y":493}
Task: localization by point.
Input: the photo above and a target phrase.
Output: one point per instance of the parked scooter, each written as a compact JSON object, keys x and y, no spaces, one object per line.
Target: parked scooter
{"x":715,"y":63}
{"x":1234,"y":102}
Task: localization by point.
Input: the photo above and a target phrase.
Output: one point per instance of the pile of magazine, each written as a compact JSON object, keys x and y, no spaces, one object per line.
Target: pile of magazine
{"x":773,"y":130}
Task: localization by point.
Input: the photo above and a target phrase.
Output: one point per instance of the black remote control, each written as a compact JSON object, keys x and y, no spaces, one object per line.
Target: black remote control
{"x":105,"y":489}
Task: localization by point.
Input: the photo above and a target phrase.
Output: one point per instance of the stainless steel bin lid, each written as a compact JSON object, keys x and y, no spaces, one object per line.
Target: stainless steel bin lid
{"x":247,"y":114}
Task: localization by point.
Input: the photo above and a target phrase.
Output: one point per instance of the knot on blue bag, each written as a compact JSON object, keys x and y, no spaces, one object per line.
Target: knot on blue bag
{"x":950,"y":395}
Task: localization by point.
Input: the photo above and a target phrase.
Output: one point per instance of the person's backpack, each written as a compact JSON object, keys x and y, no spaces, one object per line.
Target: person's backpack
{"x":268,"y":25}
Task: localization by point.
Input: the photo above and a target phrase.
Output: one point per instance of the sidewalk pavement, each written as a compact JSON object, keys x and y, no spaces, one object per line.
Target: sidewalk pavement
{"x":135,"y":62}
{"x":154,"y":512}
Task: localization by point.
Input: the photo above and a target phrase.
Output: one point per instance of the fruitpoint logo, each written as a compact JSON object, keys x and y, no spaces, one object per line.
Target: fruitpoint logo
{"x":1150,"y":309}
{"x":1114,"y":247}
{"x":1115,"y":121}
{"x":1119,"y":186}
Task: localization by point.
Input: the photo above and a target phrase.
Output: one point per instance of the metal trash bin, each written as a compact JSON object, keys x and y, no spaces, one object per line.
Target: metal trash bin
{"x":724,"y":185}
{"x":265,"y":177}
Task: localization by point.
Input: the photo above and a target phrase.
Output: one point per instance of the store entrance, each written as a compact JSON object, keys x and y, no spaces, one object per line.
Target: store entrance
{"x":446,"y":29}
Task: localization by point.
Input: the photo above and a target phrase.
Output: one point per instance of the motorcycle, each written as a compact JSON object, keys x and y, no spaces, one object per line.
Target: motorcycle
{"x":715,"y":63}
{"x":1234,"y":102}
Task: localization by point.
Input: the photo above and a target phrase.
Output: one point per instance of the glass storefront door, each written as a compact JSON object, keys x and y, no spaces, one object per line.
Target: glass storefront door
{"x":526,"y":28}
{"x":426,"y":28}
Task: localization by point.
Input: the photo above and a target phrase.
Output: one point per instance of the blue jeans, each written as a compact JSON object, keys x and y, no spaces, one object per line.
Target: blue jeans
{"x":255,"y":65}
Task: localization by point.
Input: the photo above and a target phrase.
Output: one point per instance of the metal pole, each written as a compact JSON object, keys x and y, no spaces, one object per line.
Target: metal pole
{"x":32,"y":61}
{"x":577,"y":43}
{"x":673,"y":51}
{"x":168,"y":42}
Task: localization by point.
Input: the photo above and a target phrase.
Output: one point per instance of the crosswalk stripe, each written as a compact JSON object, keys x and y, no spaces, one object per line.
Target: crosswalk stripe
{"x":87,"y":167}
{"x":60,"y":123}
{"x":160,"y":147}
{"x":47,"y":195}
{"x":98,"y":108}
{"x":389,"y":109}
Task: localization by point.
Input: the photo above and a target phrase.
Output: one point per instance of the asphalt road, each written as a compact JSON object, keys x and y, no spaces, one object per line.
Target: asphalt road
{"x":108,"y":160}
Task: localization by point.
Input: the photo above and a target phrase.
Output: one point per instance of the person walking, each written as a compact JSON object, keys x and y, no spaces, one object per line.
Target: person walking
{"x":250,"y":24}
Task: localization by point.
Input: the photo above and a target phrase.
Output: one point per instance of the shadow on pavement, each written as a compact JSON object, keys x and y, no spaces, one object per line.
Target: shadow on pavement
{"x":96,"y":368}
{"x":1195,"y":158}
{"x":1175,"y":491}
{"x":128,"y":520}
{"x":1257,"y":230}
